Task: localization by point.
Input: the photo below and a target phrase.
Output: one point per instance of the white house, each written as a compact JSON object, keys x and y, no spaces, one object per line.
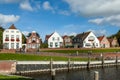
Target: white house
{"x":86,"y":40}
{"x":54,"y":40}
{"x":12,"y":38}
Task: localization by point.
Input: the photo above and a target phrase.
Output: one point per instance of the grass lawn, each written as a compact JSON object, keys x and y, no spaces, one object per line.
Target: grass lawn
{"x":82,"y":50}
{"x":5,"y":77}
{"x":32,"y":57}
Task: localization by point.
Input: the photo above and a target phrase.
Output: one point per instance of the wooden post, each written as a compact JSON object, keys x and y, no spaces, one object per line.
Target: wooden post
{"x":96,"y":75}
{"x":68,"y":64}
{"x":88,"y":64}
{"x":51,"y":64}
{"x":53,"y":73}
{"x":116,"y":61}
{"x":102,"y":61}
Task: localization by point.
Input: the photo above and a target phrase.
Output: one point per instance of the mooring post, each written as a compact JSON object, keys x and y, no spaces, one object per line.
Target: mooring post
{"x":116,"y":61}
{"x":96,"y":75}
{"x":102,"y":60}
{"x":68,"y":64}
{"x":88,"y":64}
{"x":53,"y":73}
{"x":51,"y":64}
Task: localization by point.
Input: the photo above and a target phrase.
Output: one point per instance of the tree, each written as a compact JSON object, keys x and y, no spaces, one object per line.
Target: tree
{"x":1,"y":37}
{"x":44,"y":45}
{"x":23,"y":39}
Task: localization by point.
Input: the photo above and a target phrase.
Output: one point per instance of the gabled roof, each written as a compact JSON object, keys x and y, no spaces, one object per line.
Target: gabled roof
{"x":100,"y":38}
{"x":64,"y":36}
{"x":12,"y":27}
{"x":48,"y":36}
{"x":83,"y":35}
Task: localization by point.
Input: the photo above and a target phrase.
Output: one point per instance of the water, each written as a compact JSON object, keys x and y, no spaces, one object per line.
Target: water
{"x":112,"y":73}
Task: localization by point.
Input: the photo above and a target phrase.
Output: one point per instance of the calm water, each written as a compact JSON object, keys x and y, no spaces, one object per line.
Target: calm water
{"x":104,"y":74}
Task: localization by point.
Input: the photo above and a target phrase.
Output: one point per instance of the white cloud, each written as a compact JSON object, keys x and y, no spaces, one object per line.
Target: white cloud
{"x":25,"y":33}
{"x":95,"y":7}
{"x":47,"y":6}
{"x":10,"y":1}
{"x":26,"y":5}
{"x":4,"y":19}
{"x":99,"y":32}
{"x":107,"y":10}
{"x":111,"y":20}
{"x":64,"y":12}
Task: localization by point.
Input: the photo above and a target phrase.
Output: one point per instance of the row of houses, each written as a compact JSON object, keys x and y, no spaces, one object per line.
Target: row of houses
{"x":82,"y":40}
{"x":12,"y":39}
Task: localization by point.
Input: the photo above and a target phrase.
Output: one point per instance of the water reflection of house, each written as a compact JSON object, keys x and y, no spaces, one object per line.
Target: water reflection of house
{"x":54,"y":40}
{"x":67,"y":41}
{"x":104,"y":43}
{"x":113,"y":42}
{"x":12,"y":38}
{"x":86,"y":40}
{"x":33,"y":42}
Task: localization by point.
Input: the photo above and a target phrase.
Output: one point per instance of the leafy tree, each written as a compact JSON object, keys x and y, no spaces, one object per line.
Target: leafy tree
{"x":117,"y":35}
{"x":23,"y":39}
{"x":44,"y":45}
{"x":1,"y":37}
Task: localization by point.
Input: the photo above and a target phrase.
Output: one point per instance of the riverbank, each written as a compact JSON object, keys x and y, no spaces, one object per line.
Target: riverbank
{"x":13,"y":77}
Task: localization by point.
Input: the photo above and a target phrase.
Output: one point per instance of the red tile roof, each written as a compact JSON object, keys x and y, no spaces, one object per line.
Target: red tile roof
{"x":100,"y":38}
{"x":12,"y":27}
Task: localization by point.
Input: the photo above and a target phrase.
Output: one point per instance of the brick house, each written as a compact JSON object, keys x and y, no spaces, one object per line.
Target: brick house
{"x":113,"y":42}
{"x":33,"y":42}
{"x":54,"y":40}
{"x":104,"y":43}
{"x":67,"y":41}
{"x":86,"y":40}
{"x":12,"y":38}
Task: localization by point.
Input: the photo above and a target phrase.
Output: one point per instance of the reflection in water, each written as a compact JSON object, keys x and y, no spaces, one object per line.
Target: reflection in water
{"x":104,"y":74}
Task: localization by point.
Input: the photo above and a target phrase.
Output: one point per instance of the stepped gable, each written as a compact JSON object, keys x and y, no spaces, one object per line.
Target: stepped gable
{"x":12,"y":27}
{"x":83,"y":35}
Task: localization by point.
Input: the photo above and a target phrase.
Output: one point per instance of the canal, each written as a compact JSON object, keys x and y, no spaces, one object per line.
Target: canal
{"x":108,"y":73}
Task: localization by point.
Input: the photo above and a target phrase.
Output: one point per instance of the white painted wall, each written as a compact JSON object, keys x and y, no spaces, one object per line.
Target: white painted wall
{"x":55,"y":35}
{"x":15,"y":33}
{"x":96,"y":41}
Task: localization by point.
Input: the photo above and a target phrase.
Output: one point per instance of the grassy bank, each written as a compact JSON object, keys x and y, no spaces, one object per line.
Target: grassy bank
{"x":6,"y":77}
{"x":82,"y":50}
{"x":31,"y":57}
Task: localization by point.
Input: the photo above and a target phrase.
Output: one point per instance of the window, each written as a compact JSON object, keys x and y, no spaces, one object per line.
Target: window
{"x":17,"y":36}
{"x":17,"y":31}
{"x":12,"y":31}
{"x":87,"y":44}
{"x":17,"y":45}
{"x":58,"y":38}
{"x":7,"y":36}
{"x":51,"y":44}
{"x":91,"y":38}
{"x":56,"y":44}
{"x":12,"y":45}
{"x":53,"y":38}
{"x":12,"y":36}
{"x":6,"y":45}
{"x":7,"y":31}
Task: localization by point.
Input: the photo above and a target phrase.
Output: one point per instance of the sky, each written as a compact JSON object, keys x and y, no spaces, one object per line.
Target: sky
{"x":67,"y":17}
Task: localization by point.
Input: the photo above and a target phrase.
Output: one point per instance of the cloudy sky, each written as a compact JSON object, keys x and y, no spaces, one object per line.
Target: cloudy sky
{"x":64,"y":16}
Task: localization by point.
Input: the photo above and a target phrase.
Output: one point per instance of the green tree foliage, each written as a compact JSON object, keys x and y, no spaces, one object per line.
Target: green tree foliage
{"x":1,"y":37}
{"x":117,"y":35}
{"x":23,"y":39}
{"x":44,"y":45}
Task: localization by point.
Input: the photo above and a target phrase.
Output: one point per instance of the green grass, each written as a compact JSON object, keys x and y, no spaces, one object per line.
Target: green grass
{"x":31,"y":57}
{"x":84,"y":50}
{"x":6,"y":77}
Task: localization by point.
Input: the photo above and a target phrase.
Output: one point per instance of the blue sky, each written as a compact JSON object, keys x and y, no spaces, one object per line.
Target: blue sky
{"x":67,"y":17}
